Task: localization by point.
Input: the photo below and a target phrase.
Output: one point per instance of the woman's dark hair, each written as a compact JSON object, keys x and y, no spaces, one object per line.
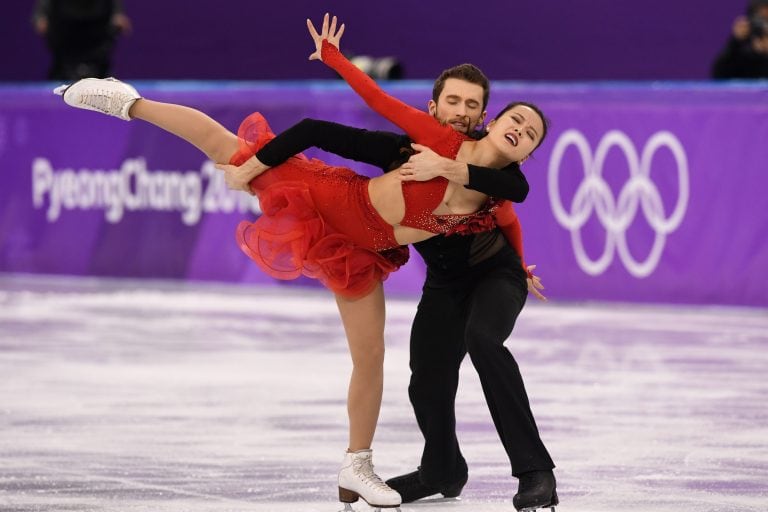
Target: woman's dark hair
{"x":544,"y":120}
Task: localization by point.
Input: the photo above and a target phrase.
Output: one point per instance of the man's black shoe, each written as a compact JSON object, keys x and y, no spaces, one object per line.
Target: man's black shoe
{"x":537,"y":489}
{"x":411,"y":488}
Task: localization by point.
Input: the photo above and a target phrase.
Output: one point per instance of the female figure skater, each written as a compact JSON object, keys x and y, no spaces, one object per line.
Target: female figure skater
{"x":340,"y":227}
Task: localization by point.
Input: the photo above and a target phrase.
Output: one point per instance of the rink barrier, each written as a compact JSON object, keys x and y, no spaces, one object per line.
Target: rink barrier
{"x":648,"y":192}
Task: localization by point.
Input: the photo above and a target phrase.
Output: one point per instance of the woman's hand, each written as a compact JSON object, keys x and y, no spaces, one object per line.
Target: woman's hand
{"x":239,"y":177}
{"x":329,"y":32}
{"x":534,"y":284}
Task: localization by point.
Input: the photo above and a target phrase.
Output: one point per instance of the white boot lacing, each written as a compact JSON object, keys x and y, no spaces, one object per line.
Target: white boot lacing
{"x":107,"y":101}
{"x":364,"y":468}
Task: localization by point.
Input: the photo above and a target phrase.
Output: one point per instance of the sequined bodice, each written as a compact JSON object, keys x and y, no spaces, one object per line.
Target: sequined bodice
{"x":423,"y":197}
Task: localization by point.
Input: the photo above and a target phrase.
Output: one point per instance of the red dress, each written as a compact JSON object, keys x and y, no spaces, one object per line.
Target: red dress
{"x":318,"y":220}
{"x":422,"y":198}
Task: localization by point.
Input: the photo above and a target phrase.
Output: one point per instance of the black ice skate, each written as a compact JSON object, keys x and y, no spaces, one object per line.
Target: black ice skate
{"x":536,"y":490}
{"x":411,"y":487}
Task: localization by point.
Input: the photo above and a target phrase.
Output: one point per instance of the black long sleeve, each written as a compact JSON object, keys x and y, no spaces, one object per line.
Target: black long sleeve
{"x":507,"y":183}
{"x":372,"y":147}
{"x":381,"y":149}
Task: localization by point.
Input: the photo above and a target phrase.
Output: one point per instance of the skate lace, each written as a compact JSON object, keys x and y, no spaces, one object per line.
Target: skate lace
{"x":108,"y":102}
{"x":364,"y":468}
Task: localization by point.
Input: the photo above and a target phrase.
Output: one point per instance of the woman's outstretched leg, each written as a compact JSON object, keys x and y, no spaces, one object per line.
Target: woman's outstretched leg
{"x":364,"y":325}
{"x":118,"y":99}
{"x":197,"y":128}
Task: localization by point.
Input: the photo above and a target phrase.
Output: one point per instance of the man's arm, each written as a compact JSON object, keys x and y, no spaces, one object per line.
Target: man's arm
{"x":507,"y":183}
{"x":375,"y":148}
{"x":372,"y":147}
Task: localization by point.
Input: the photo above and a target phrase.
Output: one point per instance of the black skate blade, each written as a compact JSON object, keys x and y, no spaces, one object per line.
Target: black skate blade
{"x":436,"y":500}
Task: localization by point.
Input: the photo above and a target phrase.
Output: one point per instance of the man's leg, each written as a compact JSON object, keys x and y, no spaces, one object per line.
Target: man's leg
{"x":437,"y":349}
{"x":495,"y":304}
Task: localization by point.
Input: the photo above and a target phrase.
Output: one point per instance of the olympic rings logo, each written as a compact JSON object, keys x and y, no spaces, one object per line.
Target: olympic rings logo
{"x":616,"y":215}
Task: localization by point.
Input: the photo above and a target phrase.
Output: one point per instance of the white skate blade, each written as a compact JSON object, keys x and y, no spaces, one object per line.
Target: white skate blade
{"x":348,"y":508}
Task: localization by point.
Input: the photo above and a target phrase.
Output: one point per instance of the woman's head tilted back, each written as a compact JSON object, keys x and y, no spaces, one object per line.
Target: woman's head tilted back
{"x":518,"y":129}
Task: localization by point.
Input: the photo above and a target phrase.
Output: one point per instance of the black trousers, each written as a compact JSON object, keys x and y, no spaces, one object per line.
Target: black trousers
{"x":474,"y":314}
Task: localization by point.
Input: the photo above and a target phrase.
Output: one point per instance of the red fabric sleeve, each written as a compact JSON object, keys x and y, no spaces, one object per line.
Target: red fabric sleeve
{"x":509,"y":223}
{"x":419,"y":126}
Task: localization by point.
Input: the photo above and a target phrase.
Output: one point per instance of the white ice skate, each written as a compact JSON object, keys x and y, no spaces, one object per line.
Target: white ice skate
{"x":357,"y":480}
{"x":106,"y":95}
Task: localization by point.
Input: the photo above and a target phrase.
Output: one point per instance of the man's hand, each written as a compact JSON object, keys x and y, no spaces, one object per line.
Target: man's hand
{"x":426,"y":164}
{"x":329,"y":32}
{"x":534,"y":284}
{"x":239,"y":178}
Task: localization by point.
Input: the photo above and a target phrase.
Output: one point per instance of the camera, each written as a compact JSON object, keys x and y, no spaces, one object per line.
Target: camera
{"x":758,"y":27}
{"x":383,"y":68}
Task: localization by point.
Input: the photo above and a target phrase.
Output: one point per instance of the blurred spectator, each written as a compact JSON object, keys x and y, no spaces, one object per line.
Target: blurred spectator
{"x":80,"y":34}
{"x":746,"y":53}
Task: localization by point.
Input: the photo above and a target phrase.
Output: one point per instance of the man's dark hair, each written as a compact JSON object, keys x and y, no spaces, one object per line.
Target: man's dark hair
{"x":467,"y":72}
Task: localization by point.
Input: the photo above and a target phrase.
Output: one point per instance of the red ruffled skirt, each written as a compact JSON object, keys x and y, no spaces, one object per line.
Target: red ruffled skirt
{"x":316,"y":221}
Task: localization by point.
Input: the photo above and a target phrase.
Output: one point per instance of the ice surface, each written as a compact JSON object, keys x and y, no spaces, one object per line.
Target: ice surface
{"x":161,"y":396}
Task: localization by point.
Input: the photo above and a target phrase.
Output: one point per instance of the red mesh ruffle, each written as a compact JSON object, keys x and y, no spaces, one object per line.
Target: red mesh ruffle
{"x":253,"y":134}
{"x":291,"y":238}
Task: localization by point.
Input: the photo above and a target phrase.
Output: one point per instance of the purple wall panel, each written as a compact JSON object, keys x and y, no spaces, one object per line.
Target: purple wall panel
{"x":674,"y":213}
{"x":524,"y":39}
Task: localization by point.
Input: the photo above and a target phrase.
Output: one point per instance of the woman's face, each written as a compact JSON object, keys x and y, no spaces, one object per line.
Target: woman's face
{"x":517,"y":132}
